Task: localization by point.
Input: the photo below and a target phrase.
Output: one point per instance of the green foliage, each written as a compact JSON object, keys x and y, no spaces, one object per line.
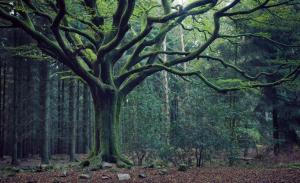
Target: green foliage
{"x":141,"y":116}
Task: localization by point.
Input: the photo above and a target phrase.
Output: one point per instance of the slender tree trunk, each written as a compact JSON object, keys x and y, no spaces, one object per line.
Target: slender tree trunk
{"x":63,"y":148}
{"x":72,"y":122}
{"x":85,"y":119}
{"x":4,"y":109}
{"x":43,"y":113}
{"x":91,"y":118}
{"x":78,"y":122}
{"x":35,"y":105}
{"x":29,"y":109}
{"x":14,"y":155}
{"x":275,"y":131}
{"x":21,"y":120}
{"x":59,"y":121}
{"x":2,"y":106}
{"x":50,"y":114}
{"x":166,"y":96}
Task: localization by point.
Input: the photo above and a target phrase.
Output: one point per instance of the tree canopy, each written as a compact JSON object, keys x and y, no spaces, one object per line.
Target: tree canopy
{"x":116,"y":44}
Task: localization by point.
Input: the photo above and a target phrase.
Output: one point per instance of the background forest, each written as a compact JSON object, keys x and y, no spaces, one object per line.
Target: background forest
{"x":169,"y":119}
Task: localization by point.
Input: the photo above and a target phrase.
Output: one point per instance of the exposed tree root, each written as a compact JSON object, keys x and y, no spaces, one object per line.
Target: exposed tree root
{"x":96,"y":161}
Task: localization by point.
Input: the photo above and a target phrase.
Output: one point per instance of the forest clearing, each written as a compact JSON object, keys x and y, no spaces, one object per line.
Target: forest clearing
{"x":149,"y":91}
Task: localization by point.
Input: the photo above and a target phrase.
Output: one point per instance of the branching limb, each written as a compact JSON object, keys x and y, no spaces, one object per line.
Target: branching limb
{"x":77,"y":31}
{"x":182,"y":11}
{"x":56,"y":24}
{"x":246,"y":86}
{"x":52,"y":49}
{"x":88,"y":23}
{"x":289,"y":77}
{"x":258,"y":36}
{"x":5,"y":5}
{"x":156,"y":41}
{"x":123,"y":27}
{"x":118,"y":14}
{"x":136,"y":78}
{"x":131,"y":43}
{"x":40,"y":38}
{"x":37,"y":11}
{"x":135,"y":58}
{"x":6,"y":26}
{"x":240,"y":71}
{"x":263,"y":5}
{"x":163,"y":52}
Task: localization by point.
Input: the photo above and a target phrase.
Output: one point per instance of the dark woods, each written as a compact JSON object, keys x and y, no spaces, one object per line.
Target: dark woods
{"x":42,"y":113}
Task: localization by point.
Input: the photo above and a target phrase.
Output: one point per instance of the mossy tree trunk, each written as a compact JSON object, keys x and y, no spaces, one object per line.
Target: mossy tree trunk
{"x":106,"y":145}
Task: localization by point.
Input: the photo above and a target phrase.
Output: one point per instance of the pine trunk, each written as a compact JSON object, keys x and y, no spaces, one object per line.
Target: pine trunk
{"x":14,"y":151}
{"x":43,"y":113}
{"x":85,"y":120}
{"x":275,"y":131}
{"x":2,"y":106}
{"x":72,"y":123}
{"x":166,"y":97}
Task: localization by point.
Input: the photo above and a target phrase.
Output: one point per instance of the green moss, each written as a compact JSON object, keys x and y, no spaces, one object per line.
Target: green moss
{"x":84,"y":163}
{"x":289,"y":165}
{"x":183,"y":167}
{"x":114,"y":170}
{"x":96,"y":161}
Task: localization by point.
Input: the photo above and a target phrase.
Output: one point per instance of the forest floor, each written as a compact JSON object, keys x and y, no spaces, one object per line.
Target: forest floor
{"x":274,"y":172}
{"x":205,"y":175}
